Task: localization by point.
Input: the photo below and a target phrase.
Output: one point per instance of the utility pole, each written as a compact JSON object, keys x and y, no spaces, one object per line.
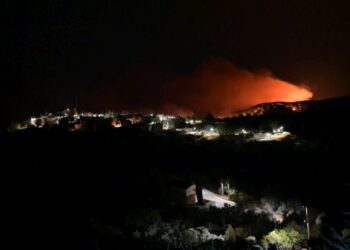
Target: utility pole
{"x":222,"y":188}
{"x":307,"y":223}
{"x":199,"y":192}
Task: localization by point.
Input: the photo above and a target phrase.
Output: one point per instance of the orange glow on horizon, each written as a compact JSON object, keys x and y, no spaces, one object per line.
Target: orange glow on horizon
{"x":222,"y":89}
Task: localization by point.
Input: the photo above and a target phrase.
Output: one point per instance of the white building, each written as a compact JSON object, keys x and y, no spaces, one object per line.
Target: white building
{"x":209,"y":198}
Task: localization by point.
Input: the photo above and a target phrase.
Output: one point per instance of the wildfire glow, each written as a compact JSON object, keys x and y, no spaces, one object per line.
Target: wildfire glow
{"x":221,"y":88}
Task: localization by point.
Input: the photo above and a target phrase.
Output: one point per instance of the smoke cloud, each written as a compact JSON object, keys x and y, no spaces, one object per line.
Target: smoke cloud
{"x":221,"y":88}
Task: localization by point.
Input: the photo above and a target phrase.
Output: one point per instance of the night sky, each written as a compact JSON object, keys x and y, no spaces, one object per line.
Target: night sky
{"x":159,"y":55}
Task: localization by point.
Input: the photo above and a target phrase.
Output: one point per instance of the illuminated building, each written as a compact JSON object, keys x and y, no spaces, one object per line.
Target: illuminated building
{"x":209,"y":198}
{"x":168,"y":124}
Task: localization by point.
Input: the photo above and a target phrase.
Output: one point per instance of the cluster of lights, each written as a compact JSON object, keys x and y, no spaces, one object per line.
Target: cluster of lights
{"x":295,"y":107}
{"x":278,"y":130}
{"x":159,"y":121}
{"x":241,"y":132}
{"x":207,"y":133}
{"x":265,"y":108}
{"x":193,"y":121}
{"x":276,"y":134}
{"x":162,"y":117}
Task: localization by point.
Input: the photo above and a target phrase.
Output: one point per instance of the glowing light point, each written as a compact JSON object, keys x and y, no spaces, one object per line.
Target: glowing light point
{"x":33,"y":121}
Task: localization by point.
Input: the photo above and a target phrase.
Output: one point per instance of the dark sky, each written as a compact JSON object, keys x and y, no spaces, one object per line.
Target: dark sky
{"x":123,"y":54}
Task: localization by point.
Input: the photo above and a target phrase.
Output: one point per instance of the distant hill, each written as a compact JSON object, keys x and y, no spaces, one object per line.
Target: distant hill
{"x":334,"y":105}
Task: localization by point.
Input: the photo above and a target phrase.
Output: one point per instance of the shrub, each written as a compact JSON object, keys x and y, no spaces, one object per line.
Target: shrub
{"x":286,"y":238}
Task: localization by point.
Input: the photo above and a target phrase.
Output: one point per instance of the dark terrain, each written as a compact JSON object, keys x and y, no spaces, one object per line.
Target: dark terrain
{"x":81,"y":189}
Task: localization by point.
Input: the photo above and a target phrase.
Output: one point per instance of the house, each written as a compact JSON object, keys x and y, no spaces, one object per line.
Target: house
{"x":209,"y":198}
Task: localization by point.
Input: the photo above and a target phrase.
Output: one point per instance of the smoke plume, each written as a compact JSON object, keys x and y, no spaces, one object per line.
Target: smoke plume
{"x":221,"y":88}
